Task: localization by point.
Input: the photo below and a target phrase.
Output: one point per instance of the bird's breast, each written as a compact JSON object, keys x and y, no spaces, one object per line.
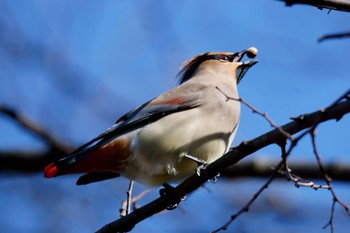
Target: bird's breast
{"x":158,"y":148}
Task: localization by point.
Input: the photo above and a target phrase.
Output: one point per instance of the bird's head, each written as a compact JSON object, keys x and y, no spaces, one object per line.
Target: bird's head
{"x":219,"y":62}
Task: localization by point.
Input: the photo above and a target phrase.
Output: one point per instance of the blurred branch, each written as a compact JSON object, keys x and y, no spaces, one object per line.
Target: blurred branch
{"x":23,"y":161}
{"x":339,"y":5}
{"x":335,"y":111}
{"x":133,"y":202}
{"x":33,"y":161}
{"x":338,"y":171}
{"x":36,"y":129}
{"x":334,"y":36}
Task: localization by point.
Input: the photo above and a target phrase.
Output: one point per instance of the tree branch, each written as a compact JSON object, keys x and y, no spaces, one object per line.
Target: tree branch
{"x":335,"y":111}
{"x":339,"y":5}
{"x":334,"y":36}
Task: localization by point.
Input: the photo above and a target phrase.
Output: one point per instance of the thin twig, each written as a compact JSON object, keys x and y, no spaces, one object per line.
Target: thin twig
{"x":128,"y":196}
{"x":257,"y":111}
{"x":301,"y":182}
{"x":328,"y":180}
{"x":125,"y":208}
{"x":135,"y":199}
{"x":298,"y":181}
{"x":132,"y":201}
{"x":246,"y":207}
{"x":330,"y":222}
{"x":282,"y":168}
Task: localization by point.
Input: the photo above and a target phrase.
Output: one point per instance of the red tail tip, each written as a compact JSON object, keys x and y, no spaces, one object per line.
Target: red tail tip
{"x":50,"y":171}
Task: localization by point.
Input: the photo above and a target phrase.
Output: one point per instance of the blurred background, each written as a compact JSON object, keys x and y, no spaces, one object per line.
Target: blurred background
{"x":74,"y":67}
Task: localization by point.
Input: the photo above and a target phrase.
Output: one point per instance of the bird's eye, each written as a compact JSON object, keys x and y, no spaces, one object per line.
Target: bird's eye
{"x":223,"y":58}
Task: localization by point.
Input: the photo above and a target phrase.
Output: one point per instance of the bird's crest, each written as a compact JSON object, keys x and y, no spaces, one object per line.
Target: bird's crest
{"x":189,"y":67}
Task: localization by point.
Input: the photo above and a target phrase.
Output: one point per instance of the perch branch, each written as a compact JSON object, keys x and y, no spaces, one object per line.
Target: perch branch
{"x":246,"y":148}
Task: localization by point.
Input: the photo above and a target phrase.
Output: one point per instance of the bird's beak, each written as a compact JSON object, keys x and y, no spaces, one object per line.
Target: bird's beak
{"x":245,"y":66}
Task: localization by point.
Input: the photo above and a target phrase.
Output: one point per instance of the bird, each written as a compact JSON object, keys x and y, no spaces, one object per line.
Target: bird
{"x":165,"y":139}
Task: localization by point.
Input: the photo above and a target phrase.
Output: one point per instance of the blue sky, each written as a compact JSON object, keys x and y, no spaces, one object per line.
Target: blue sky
{"x":76,"y":66}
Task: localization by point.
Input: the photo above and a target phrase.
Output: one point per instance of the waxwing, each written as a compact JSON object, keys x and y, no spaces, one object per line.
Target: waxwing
{"x":163,"y":140}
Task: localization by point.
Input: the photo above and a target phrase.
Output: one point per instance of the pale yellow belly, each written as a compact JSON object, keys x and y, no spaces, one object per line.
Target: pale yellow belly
{"x":158,"y":149}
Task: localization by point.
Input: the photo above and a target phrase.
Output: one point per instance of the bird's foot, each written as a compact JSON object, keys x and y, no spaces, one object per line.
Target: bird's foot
{"x":201,"y":163}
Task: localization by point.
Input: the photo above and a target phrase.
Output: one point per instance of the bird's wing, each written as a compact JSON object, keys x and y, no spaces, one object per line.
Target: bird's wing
{"x":137,"y":118}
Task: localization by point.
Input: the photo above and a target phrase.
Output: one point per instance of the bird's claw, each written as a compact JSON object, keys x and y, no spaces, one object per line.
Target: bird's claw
{"x":202,"y":164}
{"x":201,"y":168}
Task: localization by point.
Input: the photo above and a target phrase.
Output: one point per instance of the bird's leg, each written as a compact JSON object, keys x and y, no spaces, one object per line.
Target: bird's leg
{"x":169,"y":192}
{"x":201,"y":163}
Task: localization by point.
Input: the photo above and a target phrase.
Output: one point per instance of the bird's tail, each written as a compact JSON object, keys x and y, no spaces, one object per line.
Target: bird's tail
{"x":106,"y":157}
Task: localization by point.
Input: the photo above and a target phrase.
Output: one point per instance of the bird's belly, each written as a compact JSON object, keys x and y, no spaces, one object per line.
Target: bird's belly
{"x":159,"y":148}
